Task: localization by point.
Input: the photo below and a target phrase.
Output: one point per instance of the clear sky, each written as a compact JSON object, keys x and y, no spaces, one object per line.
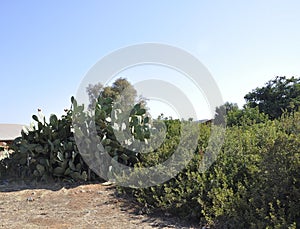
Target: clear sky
{"x":46,"y":47}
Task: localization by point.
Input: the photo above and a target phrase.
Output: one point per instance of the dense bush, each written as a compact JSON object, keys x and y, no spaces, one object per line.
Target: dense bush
{"x":253,"y":184}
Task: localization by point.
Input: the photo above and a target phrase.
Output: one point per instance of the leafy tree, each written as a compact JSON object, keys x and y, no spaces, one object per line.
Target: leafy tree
{"x":121,"y":91}
{"x":278,"y":95}
{"x":93,"y":91}
{"x":222,"y":111}
{"x":236,"y":117}
{"x":245,"y":116}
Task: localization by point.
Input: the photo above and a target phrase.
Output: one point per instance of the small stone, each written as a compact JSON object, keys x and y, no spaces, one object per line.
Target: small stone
{"x":30,"y":199}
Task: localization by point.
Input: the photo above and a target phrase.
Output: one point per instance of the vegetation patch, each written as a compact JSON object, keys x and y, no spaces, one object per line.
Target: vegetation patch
{"x":254,"y":183}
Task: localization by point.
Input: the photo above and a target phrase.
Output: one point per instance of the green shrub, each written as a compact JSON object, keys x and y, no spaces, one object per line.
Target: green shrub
{"x":178,"y":195}
{"x":254,"y":183}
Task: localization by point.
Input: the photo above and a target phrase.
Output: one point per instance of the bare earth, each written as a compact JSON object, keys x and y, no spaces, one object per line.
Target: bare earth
{"x":81,"y":206}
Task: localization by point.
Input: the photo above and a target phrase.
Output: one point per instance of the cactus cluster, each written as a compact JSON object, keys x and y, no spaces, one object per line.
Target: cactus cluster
{"x":47,"y":149}
{"x":110,"y":130}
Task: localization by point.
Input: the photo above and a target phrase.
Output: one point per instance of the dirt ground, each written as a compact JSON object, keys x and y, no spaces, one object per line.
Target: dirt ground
{"x":75,"y":206}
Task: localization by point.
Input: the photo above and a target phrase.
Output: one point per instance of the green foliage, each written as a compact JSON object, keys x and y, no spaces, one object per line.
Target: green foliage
{"x":47,"y":150}
{"x":277,"y":96}
{"x":171,"y":140}
{"x":110,"y":134}
{"x":230,"y":114}
{"x":121,"y":90}
{"x":164,"y":161}
{"x":245,"y":116}
{"x":178,"y":195}
{"x":223,"y":110}
{"x":254,"y":183}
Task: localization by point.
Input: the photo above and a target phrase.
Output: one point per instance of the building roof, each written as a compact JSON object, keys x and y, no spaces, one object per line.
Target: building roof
{"x":9,"y":132}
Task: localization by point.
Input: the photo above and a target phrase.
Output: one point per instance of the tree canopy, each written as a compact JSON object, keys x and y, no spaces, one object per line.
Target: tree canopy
{"x":120,"y":90}
{"x":277,"y":96}
{"x":237,"y":117}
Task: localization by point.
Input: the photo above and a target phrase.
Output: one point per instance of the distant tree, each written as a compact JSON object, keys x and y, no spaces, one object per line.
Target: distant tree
{"x":277,"y":96}
{"x":93,"y":91}
{"x":124,"y":93}
{"x":226,"y":107}
{"x":121,"y":91}
{"x":222,"y":111}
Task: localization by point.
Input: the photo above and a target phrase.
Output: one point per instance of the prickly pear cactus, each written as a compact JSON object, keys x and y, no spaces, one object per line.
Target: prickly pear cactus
{"x":110,"y":134}
{"x":47,"y":149}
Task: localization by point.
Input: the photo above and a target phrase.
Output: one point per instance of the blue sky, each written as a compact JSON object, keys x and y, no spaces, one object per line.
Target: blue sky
{"x":46,"y":47}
